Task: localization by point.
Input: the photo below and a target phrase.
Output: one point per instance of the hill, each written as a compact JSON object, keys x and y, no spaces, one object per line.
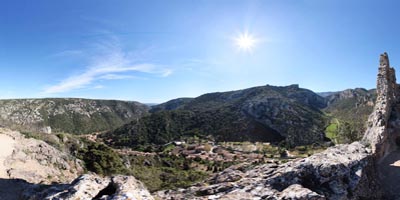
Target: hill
{"x":349,"y":110}
{"x":266,"y":113}
{"x":78,"y":116}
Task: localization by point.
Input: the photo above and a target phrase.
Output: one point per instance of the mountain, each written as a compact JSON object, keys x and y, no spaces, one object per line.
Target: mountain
{"x":351,"y":97}
{"x":266,"y":113}
{"x":78,"y":116}
{"x":171,"y":105}
{"x":325,"y":94}
{"x":349,"y":110}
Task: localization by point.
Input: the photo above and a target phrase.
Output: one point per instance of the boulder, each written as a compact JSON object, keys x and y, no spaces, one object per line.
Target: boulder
{"x":91,"y":186}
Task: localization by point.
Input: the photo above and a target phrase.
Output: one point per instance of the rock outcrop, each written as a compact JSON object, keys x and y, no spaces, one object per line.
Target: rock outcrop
{"x":379,"y":132}
{"x":358,"y":96}
{"x":337,"y":173}
{"x":34,"y":161}
{"x":90,"y":186}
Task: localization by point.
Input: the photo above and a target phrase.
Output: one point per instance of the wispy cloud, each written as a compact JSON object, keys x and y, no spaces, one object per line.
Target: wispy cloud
{"x":68,"y":53}
{"x":109,"y":62}
{"x":116,"y":77}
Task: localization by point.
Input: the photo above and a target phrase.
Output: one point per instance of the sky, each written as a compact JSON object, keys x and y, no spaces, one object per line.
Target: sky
{"x":153,"y":51}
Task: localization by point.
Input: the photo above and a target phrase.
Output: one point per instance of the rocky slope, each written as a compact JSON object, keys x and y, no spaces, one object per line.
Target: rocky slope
{"x":28,"y":167}
{"x":90,"y":186}
{"x":266,"y":113}
{"x":333,"y":174}
{"x":349,"y":110}
{"x":68,"y":115}
{"x":34,"y":161}
{"x":350,"y":97}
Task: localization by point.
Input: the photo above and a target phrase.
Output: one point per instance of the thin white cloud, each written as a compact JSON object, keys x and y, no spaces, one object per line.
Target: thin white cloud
{"x":111,"y":64}
{"x":68,"y":53}
{"x":166,"y":73}
{"x":116,"y":77}
{"x":98,"y":87}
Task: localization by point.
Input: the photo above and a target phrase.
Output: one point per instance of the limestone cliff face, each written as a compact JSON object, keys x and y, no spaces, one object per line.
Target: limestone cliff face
{"x":378,"y":133}
{"x":34,"y":161}
{"x":359,"y":97}
{"x":75,"y":116}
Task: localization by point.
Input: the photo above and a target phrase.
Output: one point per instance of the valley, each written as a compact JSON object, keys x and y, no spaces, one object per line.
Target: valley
{"x":186,"y":141}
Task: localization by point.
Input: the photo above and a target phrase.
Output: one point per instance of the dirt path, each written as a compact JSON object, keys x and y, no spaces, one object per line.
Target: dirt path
{"x":389,"y":170}
{"x":6,"y":149}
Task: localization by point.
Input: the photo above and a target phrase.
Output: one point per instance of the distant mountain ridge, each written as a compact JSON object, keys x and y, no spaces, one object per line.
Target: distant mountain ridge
{"x":325,"y":94}
{"x":70,"y":115}
{"x":171,"y":104}
{"x":349,"y":110}
{"x":265,"y":113}
{"x":361,"y":95}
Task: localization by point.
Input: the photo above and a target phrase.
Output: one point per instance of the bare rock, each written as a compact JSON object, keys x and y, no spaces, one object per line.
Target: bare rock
{"x":297,"y":191}
{"x":90,"y":186}
{"x":35,"y":161}
{"x":327,"y":175}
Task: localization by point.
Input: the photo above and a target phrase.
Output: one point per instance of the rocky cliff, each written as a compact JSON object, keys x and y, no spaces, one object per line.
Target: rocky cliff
{"x":348,"y":111}
{"x":75,"y":116}
{"x":358,"y":97}
{"x":34,"y":161}
{"x":30,"y":163}
{"x":380,"y":134}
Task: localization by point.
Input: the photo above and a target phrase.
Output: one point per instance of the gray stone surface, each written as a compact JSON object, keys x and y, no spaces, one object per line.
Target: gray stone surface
{"x":332,"y":174}
{"x":378,"y":133}
{"x":91,"y":186}
{"x":36,"y":161}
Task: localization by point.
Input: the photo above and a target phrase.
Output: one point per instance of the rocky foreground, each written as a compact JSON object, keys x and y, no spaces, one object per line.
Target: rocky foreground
{"x":332,"y":174}
{"x":91,"y":186}
{"x":32,"y":169}
{"x":34,"y":161}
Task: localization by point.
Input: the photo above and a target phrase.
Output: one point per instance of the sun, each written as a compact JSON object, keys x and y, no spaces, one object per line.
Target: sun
{"x":245,"y":41}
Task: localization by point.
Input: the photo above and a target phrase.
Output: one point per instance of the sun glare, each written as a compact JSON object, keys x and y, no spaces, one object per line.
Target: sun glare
{"x":245,"y":41}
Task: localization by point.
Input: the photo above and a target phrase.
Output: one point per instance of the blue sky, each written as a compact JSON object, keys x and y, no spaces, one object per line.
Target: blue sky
{"x":153,"y":51}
